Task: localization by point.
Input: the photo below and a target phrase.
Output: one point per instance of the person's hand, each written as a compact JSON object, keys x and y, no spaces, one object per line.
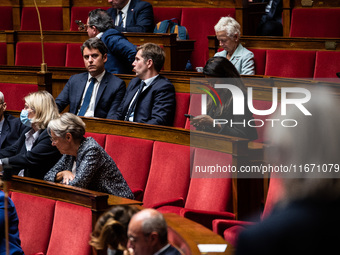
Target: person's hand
{"x":65,"y":177}
{"x":129,"y":251}
{"x":203,"y":122}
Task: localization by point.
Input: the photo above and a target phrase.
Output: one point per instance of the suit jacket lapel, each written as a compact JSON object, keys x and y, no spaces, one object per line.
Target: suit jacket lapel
{"x":4,"y":132}
{"x":101,"y":88}
{"x":80,"y":89}
{"x":130,"y":13}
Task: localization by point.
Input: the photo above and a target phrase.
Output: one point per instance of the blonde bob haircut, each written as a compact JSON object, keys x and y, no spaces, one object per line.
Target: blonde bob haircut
{"x":44,"y":107}
{"x":67,"y":123}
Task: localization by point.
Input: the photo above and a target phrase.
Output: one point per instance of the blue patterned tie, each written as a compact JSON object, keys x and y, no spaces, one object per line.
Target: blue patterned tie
{"x":134,"y":103}
{"x":120,"y":21}
{"x":87,"y":98}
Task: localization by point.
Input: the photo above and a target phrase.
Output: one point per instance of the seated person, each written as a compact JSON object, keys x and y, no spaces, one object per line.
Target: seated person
{"x":33,"y":155}
{"x":121,"y":53}
{"x":10,"y":127}
{"x":13,"y":231}
{"x":219,"y":70}
{"x":228,"y":34}
{"x":150,"y":97}
{"x":132,"y":15}
{"x":84,"y":164}
{"x":271,"y":21}
{"x":110,"y":231}
{"x":148,"y":234}
{"x":96,"y":93}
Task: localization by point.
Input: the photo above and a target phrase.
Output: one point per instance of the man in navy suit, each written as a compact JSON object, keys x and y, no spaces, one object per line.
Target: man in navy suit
{"x":96,"y":93}
{"x":135,"y":16}
{"x":150,"y":97}
{"x":148,"y":234}
{"x":10,"y":127}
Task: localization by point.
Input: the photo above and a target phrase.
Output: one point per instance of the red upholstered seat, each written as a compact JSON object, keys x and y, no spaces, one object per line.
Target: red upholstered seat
{"x":35,"y":221}
{"x":72,"y":226}
{"x":182,"y":107}
{"x":315,"y":22}
{"x":163,"y":13}
{"x":260,"y":60}
{"x":290,"y":63}
{"x":51,"y":18}
{"x":81,"y":13}
{"x":194,"y":109}
{"x":100,"y":138}
{"x":74,"y":58}
{"x":327,"y":64}
{"x":133,"y":159}
{"x":6,"y":18}
{"x":29,"y":54}
{"x":3,"y":53}
{"x":169,"y":175}
{"x":200,"y":28}
{"x":17,"y":91}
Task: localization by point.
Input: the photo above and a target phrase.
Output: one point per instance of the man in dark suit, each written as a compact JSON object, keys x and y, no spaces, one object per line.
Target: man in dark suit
{"x":96,"y":93}
{"x":10,"y":127}
{"x":136,"y":16}
{"x":150,"y":97}
{"x":148,"y":234}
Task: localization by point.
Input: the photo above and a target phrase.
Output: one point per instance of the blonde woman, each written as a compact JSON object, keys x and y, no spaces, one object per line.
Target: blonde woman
{"x":33,"y":154}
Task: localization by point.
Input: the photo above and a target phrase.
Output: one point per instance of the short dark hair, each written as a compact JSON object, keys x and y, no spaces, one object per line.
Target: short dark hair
{"x":100,"y":19}
{"x":94,"y":43}
{"x":155,"y":53}
{"x":220,"y":67}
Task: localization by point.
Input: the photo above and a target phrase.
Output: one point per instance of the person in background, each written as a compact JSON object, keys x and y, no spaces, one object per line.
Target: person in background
{"x":84,"y":164}
{"x":150,"y":97}
{"x":33,"y":155}
{"x":110,"y":231}
{"x":96,"y":93}
{"x":271,"y":21}
{"x":305,"y":219}
{"x":148,"y":234}
{"x":121,"y":53}
{"x":13,"y":231}
{"x":228,"y":34}
{"x":219,"y":70}
{"x":10,"y":127}
{"x":132,"y":15}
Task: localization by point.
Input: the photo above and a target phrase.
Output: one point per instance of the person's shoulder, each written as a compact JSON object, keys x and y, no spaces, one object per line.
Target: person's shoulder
{"x":112,"y":31}
{"x":112,"y":78}
{"x":161,"y":80}
{"x":245,"y":51}
{"x":222,"y":53}
{"x":171,"y":250}
{"x":141,"y":3}
{"x":77,"y":76}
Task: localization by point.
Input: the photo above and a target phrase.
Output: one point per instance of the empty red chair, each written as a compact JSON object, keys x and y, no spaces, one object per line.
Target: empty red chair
{"x":74,"y":58}
{"x":133,"y":158}
{"x":315,"y":22}
{"x":182,"y":107}
{"x":3,"y":53}
{"x":72,"y":226}
{"x":169,"y":175}
{"x":51,"y":18}
{"x":290,"y":63}
{"x":200,"y":23}
{"x":6,"y":18}
{"x":260,"y":60}
{"x":35,"y":221}
{"x":163,"y":13}
{"x":29,"y":54}
{"x":327,"y":64}
{"x":81,"y":13}
{"x":17,"y":91}
{"x":100,"y":138}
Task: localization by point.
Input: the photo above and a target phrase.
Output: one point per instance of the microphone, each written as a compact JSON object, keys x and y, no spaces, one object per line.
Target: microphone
{"x":43,"y":64}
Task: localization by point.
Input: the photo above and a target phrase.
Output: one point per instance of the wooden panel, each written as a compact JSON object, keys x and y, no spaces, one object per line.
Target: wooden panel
{"x":316,"y":3}
{"x":197,"y":3}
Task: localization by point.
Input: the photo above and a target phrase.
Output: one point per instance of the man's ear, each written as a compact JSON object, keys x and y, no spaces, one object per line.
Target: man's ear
{"x":4,"y":105}
{"x":149,"y":63}
{"x":105,"y":58}
{"x":154,"y":238}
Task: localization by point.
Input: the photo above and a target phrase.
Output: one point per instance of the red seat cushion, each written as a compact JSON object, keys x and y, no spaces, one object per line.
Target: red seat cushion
{"x":29,"y":54}
{"x":81,"y":13}
{"x":51,"y":18}
{"x":100,"y":138}
{"x":17,"y":91}
{"x":182,"y":107}
{"x":315,"y":22}
{"x":327,"y":64}
{"x":3,"y":53}
{"x":74,"y":58}
{"x":290,"y":63}
{"x":6,"y":18}
{"x":163,"y":13}
{"x":35,"y":221}
{"x":72,"y":226}
{"x":260,"y":60}
{"x":200,"y":23}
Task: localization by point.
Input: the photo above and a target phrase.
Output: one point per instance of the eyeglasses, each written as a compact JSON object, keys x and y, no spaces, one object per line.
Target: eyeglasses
{"x":54,"y":139}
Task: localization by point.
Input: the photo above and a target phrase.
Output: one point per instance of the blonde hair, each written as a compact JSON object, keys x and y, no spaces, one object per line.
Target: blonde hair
{"x":44,"y":107}
{"x":229,"y":25}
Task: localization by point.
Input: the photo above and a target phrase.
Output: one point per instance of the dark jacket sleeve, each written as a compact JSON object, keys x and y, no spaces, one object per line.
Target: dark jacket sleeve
{"x":117,"y":100}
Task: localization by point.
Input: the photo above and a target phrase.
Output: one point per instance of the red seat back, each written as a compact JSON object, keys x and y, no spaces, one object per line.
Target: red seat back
{"x":182,"y":107}
{"x":72,"y":226}
{"x":35,"y":221}
{"x":6,"y":18}
{"x":327,"y":64}
{"x":18,"y":92}
{"x":3,"y":53}
{"x":290,"y":63}
{"x":100,"y":138}
{"x":74,"y":58}
{"x":260,"y":60}
{"x":29,"y":54}
{"x":194,"y":109}
{"x":163,"y":13}
{"x":51,"y":18}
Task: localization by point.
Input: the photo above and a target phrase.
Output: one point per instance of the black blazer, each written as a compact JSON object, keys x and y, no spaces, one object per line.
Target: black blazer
{"x":156,"y":104}
{"x":110,"y":94}
{"x":11,"y":130}
{"x":139,"y":17}
{"x":37,"y":162}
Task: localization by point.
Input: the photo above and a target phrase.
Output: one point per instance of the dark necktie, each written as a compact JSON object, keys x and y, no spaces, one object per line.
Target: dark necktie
{"x":134,"y":103}
{"x":120,"y":21}
{"x":87,"y":98}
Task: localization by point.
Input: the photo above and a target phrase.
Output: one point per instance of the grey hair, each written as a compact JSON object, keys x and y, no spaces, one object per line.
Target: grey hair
{"x":100,"y":19}
{"x":229,"y":25}
{"x":158,"y":224}
{"x":2,"y":97}
{"x":67,"y":123}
